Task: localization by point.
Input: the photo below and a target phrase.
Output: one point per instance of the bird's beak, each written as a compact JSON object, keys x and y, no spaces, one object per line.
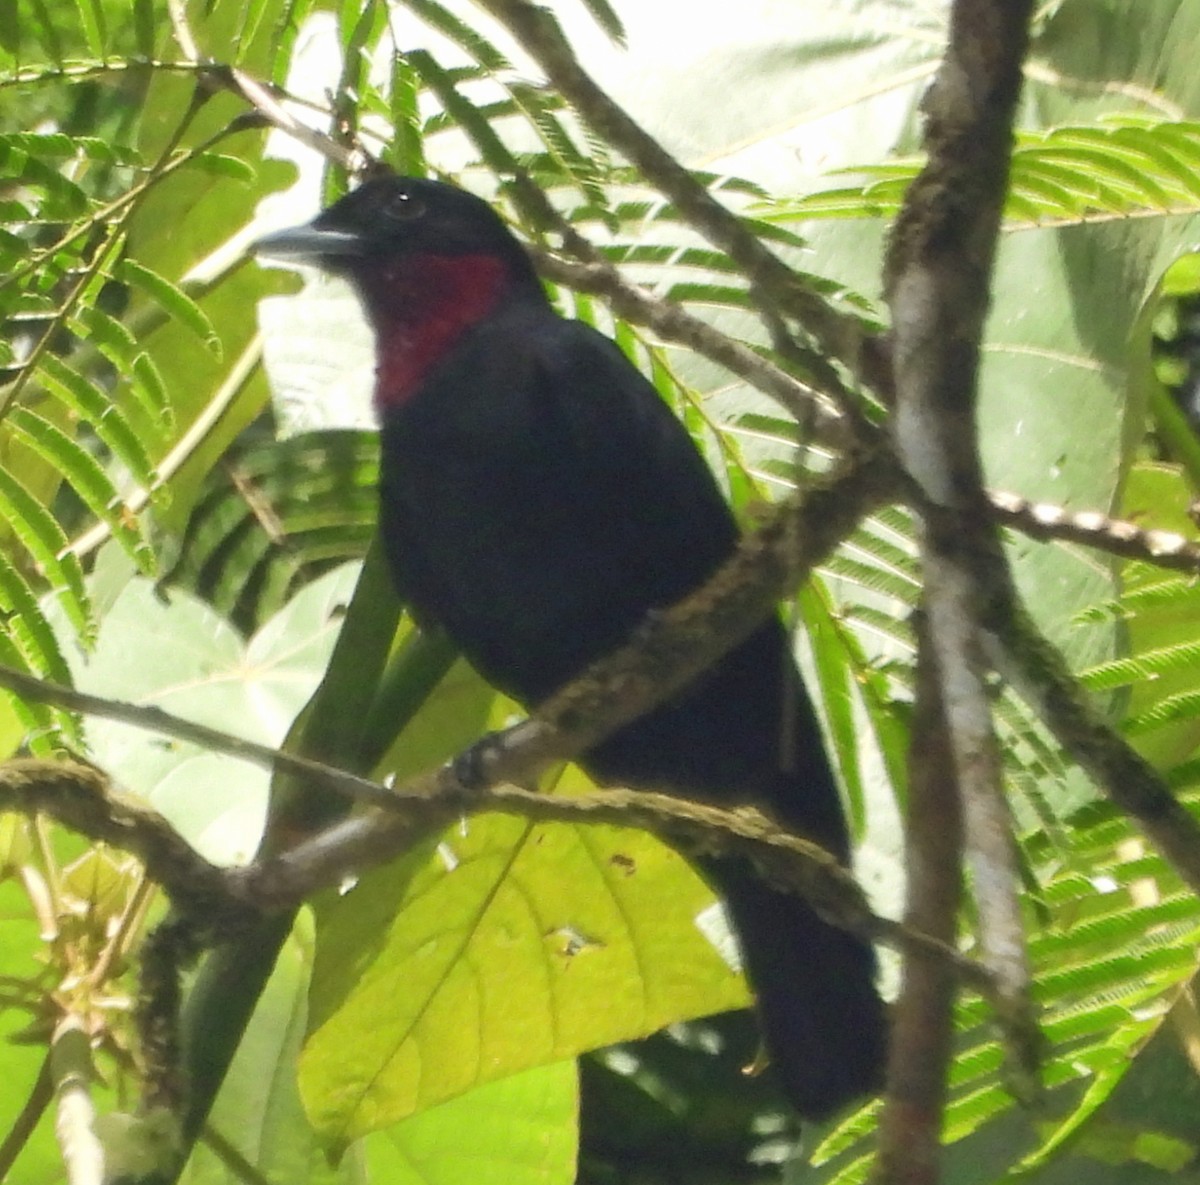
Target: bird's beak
{"x":312,"y":242}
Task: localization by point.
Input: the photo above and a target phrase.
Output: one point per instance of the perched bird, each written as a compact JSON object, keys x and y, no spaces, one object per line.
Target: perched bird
{"x":537,"y":500}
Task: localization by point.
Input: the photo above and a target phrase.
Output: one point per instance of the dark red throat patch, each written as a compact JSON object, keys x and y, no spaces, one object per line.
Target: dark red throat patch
{"x":419,"y":306}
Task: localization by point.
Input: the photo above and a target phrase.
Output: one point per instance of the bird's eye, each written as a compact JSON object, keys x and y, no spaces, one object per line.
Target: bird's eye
{"x":403,"y":207}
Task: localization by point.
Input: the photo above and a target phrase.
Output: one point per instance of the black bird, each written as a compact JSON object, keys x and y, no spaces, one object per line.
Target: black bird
{"x":537,"y":500}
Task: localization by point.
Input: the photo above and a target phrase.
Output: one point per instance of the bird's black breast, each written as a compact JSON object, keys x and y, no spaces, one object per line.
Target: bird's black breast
{"x":537,"y":498}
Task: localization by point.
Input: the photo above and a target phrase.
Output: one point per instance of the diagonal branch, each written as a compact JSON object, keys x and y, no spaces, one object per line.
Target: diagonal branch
{"x":827,"y":423}
{"x":669,"y":650}
{"x":837,"y":335}
{"x":1040,"y":674}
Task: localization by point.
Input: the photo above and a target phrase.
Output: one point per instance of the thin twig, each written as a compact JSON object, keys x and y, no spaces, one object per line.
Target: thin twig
{"x":273,"y":112}
{"x":673,"y":323}
{"x":154,"y":719}
{"x":1044,"y":520}
{"x":837,"y":335}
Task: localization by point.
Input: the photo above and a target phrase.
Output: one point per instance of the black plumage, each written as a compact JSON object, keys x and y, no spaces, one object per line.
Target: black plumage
{"x":537,"y":500}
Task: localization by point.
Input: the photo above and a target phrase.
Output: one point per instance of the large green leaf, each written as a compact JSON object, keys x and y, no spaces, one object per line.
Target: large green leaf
{"x":174,"y":652}
{"x":517,"y":1131}
{"x":507,"y":946}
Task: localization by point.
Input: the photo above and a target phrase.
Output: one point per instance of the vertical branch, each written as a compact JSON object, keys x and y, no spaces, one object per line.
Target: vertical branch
{"x":71,"y":1069}
{"x":938,"y":273}
{"x":922,"y":1020}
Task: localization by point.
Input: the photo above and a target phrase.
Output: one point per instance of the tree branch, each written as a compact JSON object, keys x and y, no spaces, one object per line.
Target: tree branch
{"x":922,"y":1034}
{"x":1036,"y":669}
{"x":1043,"y":520}
{"x":826,"y":421}
{"x":81,"y":797}
{"x":836,"y":335}
{"x":221,"y":900}
{"x":937,"y":283}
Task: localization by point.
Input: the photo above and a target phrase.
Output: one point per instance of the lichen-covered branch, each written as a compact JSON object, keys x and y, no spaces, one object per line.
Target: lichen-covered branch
{"x":83,"y":798}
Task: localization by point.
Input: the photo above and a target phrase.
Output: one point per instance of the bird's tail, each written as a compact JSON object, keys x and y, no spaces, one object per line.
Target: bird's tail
{"x":823,"y":1023}
{"x":822,"y":1020}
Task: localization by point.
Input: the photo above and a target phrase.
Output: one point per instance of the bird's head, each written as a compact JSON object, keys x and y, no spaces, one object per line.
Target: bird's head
{"x":389,"y":219}
{"x":427,"y":259}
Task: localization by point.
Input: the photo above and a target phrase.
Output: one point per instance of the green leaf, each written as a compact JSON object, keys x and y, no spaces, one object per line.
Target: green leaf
{"x":444,"y":20}
{"x":406,"y":152}
{"x":104,"y":416}
{"x":508,"y":946}
{"x":522,"y":1132}
{"x":173,"y":300}
{"x":63,"y":198}
{"x":291,"y":18}
{"x":274,"y":515}
{"x":439,"y":80}
{"x":91,"y":23}
{"x":116,"y":342}
{"x":252,"y":16}
{"x":606,"y":17}
{"x":220,"y":164}
{"x":22,"y":722}
{"x":45,"y":542}
{"x":27,"y":625}
{"x":87,"y":479}
{"x":10,"y":28}
{"x":174,"y":652}
{"x":143,"y":23}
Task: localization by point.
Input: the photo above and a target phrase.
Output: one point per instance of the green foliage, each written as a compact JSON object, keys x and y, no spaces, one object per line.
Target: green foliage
{"x":139,"y":442}
{"x":1065,"y":176}
{"x":505,"y":946}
